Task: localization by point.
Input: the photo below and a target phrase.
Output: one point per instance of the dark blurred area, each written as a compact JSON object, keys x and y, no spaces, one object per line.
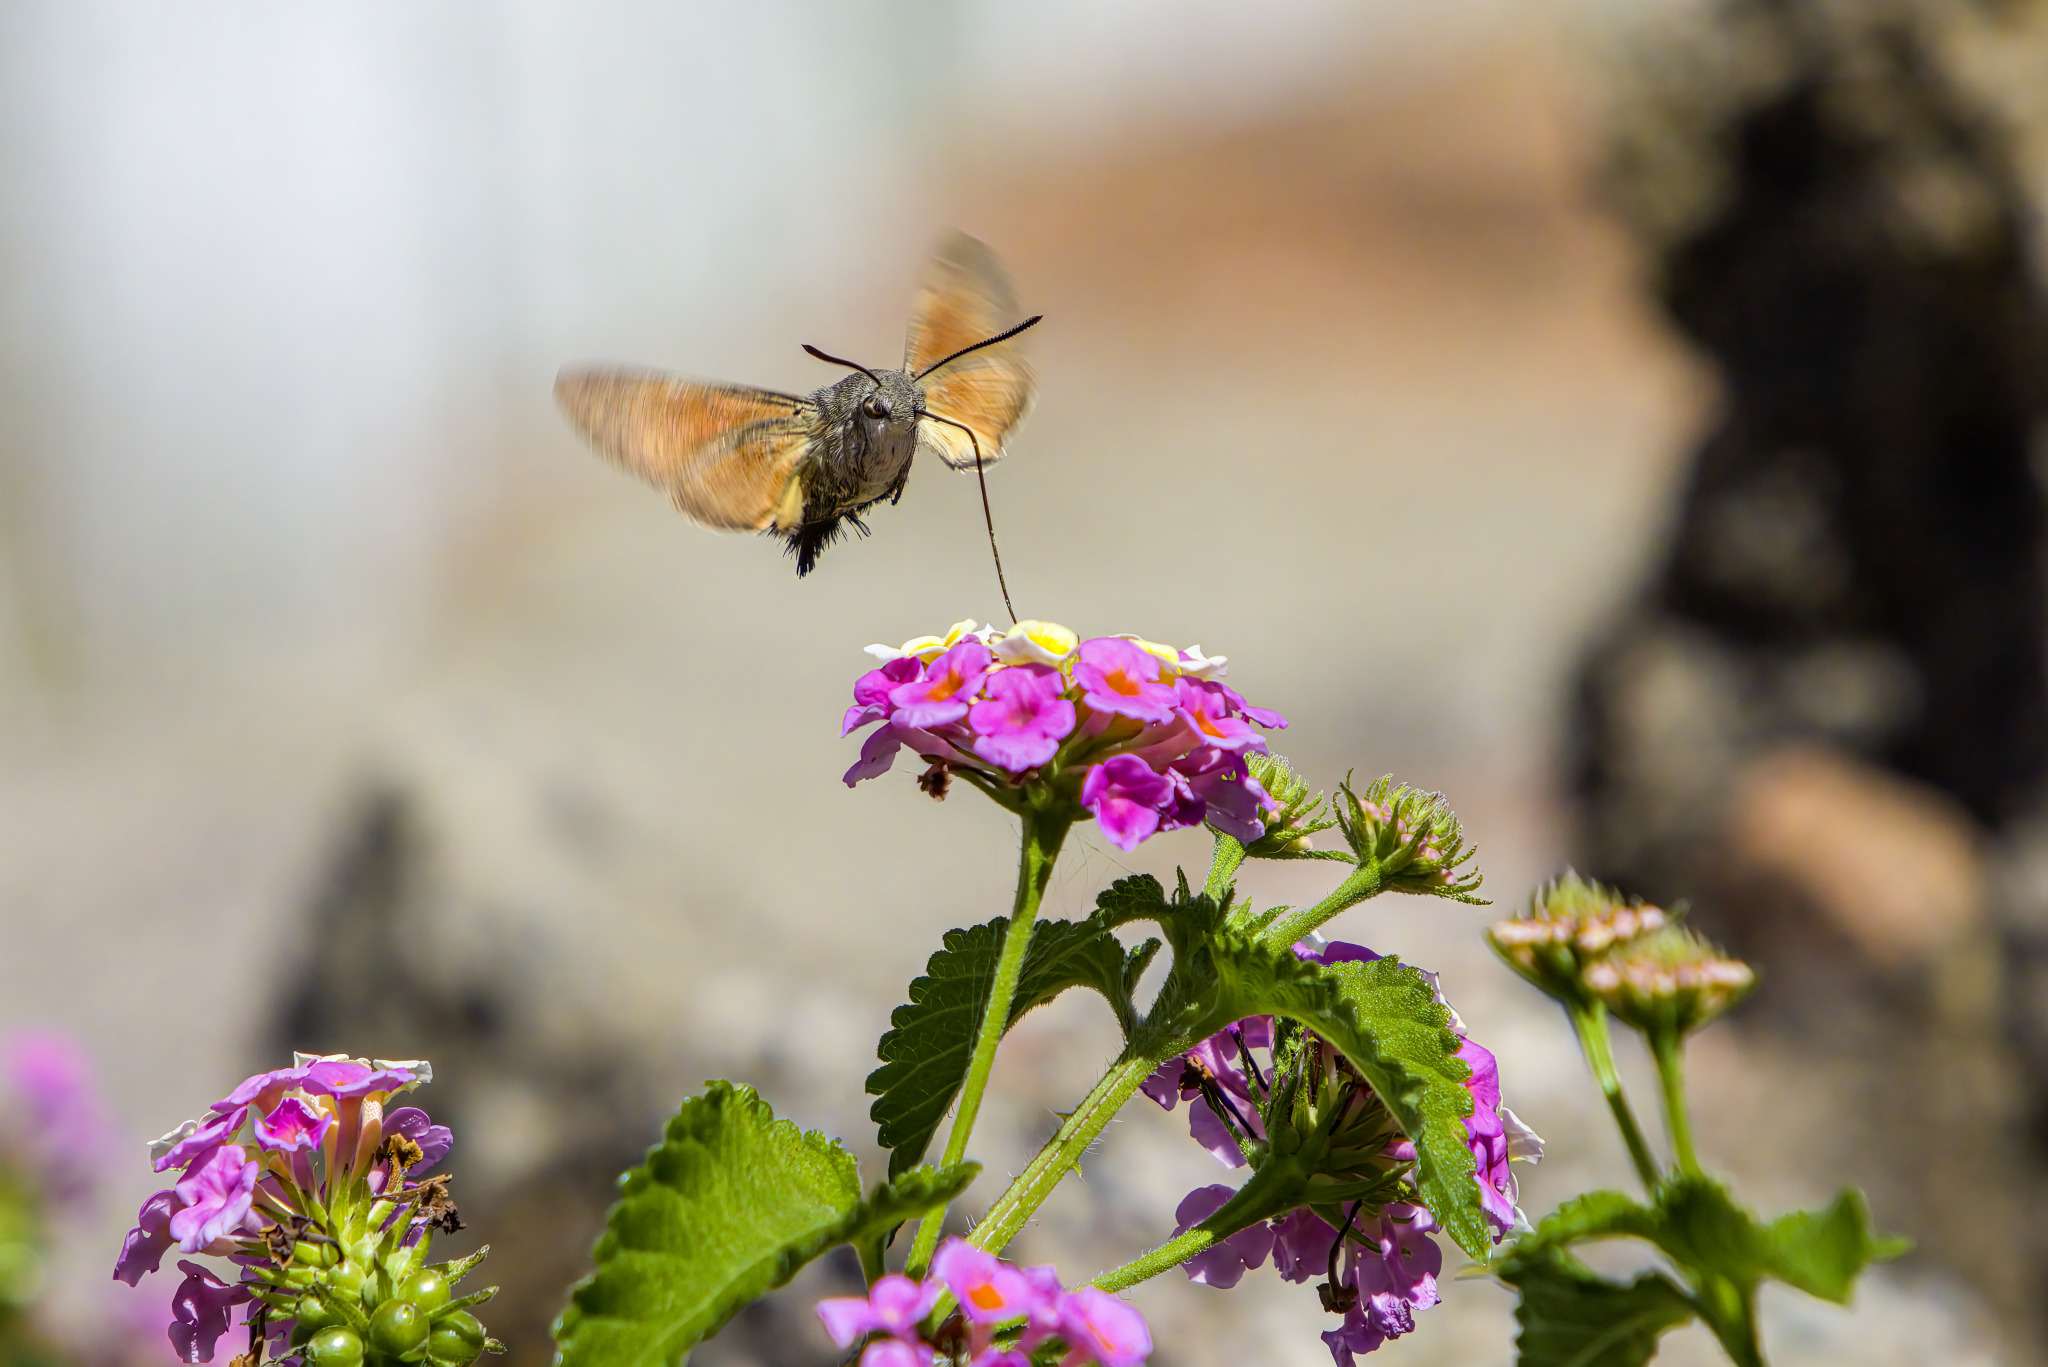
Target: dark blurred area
{"x":1625,"y":421}
{"x":1825,"y":721}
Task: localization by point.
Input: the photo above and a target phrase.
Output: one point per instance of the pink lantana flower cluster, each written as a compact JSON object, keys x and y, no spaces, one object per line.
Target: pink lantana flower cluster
{"x":294,"y":1173}
{"x":1144,"y":737}
{"x":1383,"y":1265}
{"x":1024,"y":1306}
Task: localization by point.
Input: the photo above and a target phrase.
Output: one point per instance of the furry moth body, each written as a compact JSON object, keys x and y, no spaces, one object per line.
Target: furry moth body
{"x":805,"y":467}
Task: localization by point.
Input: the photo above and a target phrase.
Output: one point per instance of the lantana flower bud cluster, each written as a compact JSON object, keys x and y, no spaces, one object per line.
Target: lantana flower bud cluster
{"x":1373,"y":1249}
{"x":1143,"y":737}
{"x":1569,"y":925}
{"x":1005,"y":1315}
{"x":1296,"y":816}
{"x":309,"y":1181}
{"x":1412,"y":836}
{"x":1668,"y":981}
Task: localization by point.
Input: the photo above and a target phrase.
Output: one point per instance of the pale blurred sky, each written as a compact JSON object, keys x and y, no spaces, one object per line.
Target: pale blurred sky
{"x":281,"y":287}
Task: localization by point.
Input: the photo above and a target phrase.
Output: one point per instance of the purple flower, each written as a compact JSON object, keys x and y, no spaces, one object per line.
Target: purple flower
{"x":263,"y":1089}
{"x":871,"y":692}
{"x":434,"y":1140}
{"x":345,"y":1078}
{"x":1022,"y":720}
{"x":293,"y":1127}
{"x":217,"y":1194}
{"x":892,"y":1306}
{"x":1301,"y":1245}
{"x":1126,"y":797}
{"x":1208,"y":709}
{"x":1358,"y":1334}
{"x":990,"y":1291}
{"x":1233,"y":800}
{"x":1102,"y":1328}
{"x":1223,"y":1264}
{"x":1487,"y":1134}
{"x":896,"y":1353}
{"x":1217,"y":1059}
{"x":1264,"y":716}
{"x":149,"y":1240}
{"x":1121,"y":679}
{"x":201,"y":1141}
{"x":53,"y":1076}
{"x":199,"y":1309}
{"x":1397,"y":1268}
{"x":944,"y":692}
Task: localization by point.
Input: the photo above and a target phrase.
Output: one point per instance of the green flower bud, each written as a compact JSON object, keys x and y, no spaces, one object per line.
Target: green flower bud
{"x":336,"y":1347}
{"x":426,"y":1288}
{"x":344,"y":1280}
{"x":1569,"y":924}
{"x":398,"y":1328}
{"x":1412,"y":836}
{"x":306,"y":1254}
{"x":1301,"y":815}
{"x":1671,"y":981}
{"x":310,"y":1316}
{"x":457,"y":1340}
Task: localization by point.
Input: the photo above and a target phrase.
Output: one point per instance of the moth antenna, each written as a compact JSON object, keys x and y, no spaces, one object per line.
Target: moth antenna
{"x":982,"y":479}
{"x":999,"y":337}
{"x":850,"y":365}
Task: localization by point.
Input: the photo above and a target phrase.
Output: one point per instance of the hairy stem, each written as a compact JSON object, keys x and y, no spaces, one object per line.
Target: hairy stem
{"x":1367,"y":881}
{"x":1590,"y":1023}
{"x":1043,"y":834}
{"x":1043,"y":1173}
{"x":1224,"y":861}
{"x":1668,"y":1048}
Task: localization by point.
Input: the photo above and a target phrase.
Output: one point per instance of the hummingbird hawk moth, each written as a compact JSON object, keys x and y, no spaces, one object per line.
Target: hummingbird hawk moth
{"x":805,"y":467}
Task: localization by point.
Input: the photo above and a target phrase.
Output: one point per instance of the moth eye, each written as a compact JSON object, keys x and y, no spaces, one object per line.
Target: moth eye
{"x":874,"y":408}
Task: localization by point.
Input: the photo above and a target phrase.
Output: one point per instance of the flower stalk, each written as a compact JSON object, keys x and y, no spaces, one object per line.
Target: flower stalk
{"x":1015,"y":1207}
{"x":1668,"y":1048}
{"x":1044,"y":831}
{"x":1589,"y":1022}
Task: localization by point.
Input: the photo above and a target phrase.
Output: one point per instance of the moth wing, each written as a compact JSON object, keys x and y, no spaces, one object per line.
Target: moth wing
{"x":728,"y":454}
{"x":966,"y":298}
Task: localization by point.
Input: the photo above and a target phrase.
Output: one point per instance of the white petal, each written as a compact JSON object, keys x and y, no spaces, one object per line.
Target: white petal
{"x":1524,"y":1144}
{"x":884,"y":653}
{"x":421,"y":1070}
{"x":159,"y":1147}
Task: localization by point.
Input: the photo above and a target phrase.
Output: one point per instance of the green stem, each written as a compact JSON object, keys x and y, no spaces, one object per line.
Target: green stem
{"x":1043,"y":834}
{"x":1729,"y":1310}
{"x":1668,"y":1048}
{"x":1367,"y":881}
{"x":1224,"y":862}
{"x":1590,"y":1023}
{"x":1043,"y":1173}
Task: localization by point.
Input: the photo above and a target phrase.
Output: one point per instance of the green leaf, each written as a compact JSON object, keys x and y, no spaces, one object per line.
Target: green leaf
{"x":1593,"y":1215}
{"x":1386,"y":1019}
{"x":1822,"y":1251}
{"x":1571,"y":1317}
{"x":926,"y":1052}
{"x":725,"y":1209}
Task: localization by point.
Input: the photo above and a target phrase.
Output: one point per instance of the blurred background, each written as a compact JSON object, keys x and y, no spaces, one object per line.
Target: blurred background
{"x":1622,"y":418}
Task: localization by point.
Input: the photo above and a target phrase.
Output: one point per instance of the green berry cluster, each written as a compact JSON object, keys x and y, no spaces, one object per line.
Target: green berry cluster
{"x":371,"y":1303}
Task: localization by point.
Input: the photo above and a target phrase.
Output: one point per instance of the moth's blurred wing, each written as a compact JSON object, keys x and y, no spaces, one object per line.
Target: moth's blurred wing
{"x":727,"y":454}
{"x":965,"y":298}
